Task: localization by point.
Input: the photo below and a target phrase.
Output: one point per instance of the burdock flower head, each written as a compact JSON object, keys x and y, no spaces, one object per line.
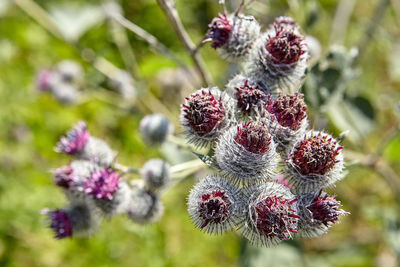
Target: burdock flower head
{"x":271,"y":216}
{"x":145,"y":206}
{"x":249,"y":98}
{"x":315,"y":162}
{"x":77,"y":220}
{"x":75,"y":139}
{"x":285,"y":23}
{"x":247,"y":153}
{"x":155,"y":129}
{"x":102,"y":184}
{"x":156,"y":173}
{"x":235,"y":35}
{"x":204,"y":115}
{"x":287,"y":118}
{"x":80,"y":143}
{"x":214,"y":205}
{"x":280,"y":57}
{"x":318,"y":213}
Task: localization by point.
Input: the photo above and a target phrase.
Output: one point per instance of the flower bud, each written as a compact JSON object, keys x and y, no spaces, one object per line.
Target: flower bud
{"x":271,"y":215}
{"x":123,"y":83}
{"x":233,"y":35}
{"x":145,"y":206}
{"x":65,"y":93}
{"x":246,"y":153}
{"x":318,"y":212}
{"x":77,"y":220}
{"x":240,"y":79}
{"x":78,"y":142}
{"x":205,"y":114}
{"x":315,"y":162}
{"x":155,"y":129}
{"x":286,"y":118}
{"x":156,"y":173}
{"x":44,"y":80}
{"x":214,"y":205}
{"x":280,"y":58}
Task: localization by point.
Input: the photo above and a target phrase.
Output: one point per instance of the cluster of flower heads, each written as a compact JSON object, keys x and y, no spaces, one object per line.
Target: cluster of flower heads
{"x":95,"y":189}
{"x":65,"y":80}
{"x":271,"y":169}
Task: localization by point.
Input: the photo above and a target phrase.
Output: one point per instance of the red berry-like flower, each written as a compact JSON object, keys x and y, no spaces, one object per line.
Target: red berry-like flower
{"x":219,"y":30}
{"x":249,"y":97}
{"x":214,"y":207}
{"x":102,"y":184}
{"x":289,"y":110}
{"x":275,"y":217}
{"x":254,"y":137}
{"x":316,"y":154}
{"x":286,"y":46}
{"x":203,"y":112}
{"x":326,"y":209}
{"x":75,"y":139}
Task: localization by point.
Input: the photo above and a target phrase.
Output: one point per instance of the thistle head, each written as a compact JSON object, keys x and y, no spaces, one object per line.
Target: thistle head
{"x":75,"y":139}
{"x":289,"y":110}
{"x":285,"y":46}
{"x":254,"y":137}
{"x":44,"y":80}
{"x":316,"y":154}
{"x":275,"y":217}
{"x":60,"y":223}
{"x":155,"y":129}
{"x":214,"y":204}
{"x":249,"y":97}
{"x":102,"y":184}
{"x":325,"y":209}
{"x":63,"y":176}
{"x":285,"y":22}
{"x":219,"y":30}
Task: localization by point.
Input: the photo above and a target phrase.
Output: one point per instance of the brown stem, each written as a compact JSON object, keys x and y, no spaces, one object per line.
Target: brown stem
{"x":168,"y":6}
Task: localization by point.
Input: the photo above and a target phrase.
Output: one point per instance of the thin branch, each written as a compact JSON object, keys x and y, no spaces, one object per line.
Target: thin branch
{"x":341,"y":20}
{"x":149,"y":38}
{"x":375,"y":21}
{"x":240,"y":8}
{"x":168,"y":6}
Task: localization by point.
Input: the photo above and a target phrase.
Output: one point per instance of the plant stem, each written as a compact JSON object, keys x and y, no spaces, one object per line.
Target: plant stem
{"x":168,"y":6}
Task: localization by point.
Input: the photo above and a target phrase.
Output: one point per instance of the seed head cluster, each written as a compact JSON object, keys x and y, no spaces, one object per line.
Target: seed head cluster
{"x":270,"y":170}
{"x":95,"y":188}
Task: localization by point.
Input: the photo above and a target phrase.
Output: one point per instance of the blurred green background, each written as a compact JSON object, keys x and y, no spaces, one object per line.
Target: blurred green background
{"x":359,"y":95}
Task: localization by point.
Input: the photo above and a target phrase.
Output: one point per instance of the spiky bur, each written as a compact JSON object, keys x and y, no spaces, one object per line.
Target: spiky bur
{"x":156,"y":173}
{"x":155,"y":129}
{"x":102,"y":184}
{"x":75,"y":139}
{"x":214,"y":205}
{"x":271,"y":216}
{"x":123,"y":83}
{"x":76,"y":220}
{"x":233,"y":35}
{"x":318,"y":212}
{"x":219,"y":31}
{"x":97,"y":150}
{"x":205,"y":114}
{"x":286,"y":118}
{"x":145,"y":206}
{"x":280,"y":58}
{"x":315,"y":162}
{"x":70,"y":71}
{"x":252,"y":81}
{"x":249,"y":98}
{"x":285,"y":23}
{"x":246,"y":153}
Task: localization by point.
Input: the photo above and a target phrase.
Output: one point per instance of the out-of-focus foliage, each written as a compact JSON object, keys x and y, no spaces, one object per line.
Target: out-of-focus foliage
{"x":30,"y":124}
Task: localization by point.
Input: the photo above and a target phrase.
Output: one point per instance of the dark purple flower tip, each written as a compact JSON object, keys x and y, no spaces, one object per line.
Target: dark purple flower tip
{"x":60,"y":223}
{"x":63,"y":177}
{"x":214,"y":208}
{"x":289,"y":110}
{"x":203,"y":112}
{"x":102,"y":184}
{"x":275,"y":217}
{"x":286,"y":46}
{"x":254,"y":137}
{"x":316,"y":155}
{"x":75,"y":139}
{"x":249,"y":97}
{"x":219,"y":30}
{"x":326,"y":209}
{"x":43,"y":80}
